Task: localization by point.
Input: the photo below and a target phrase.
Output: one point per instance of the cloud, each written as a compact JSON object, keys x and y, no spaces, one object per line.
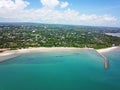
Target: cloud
{"x":15,"y":11}
{"x":64,"y":4}
{"x":53,"y":3}
{"x":9,"y":4}
{"x":50,"y":3}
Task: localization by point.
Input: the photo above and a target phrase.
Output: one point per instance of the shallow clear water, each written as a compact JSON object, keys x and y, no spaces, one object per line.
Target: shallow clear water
{"x":61,"y":71}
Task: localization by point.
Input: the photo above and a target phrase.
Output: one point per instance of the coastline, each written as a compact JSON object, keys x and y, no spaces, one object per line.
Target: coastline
{"x":8,"y":54}
{"x":105,"y":50}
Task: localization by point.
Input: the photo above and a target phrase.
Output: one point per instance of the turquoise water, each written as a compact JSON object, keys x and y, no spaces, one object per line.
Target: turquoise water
{"x":76,"y":70}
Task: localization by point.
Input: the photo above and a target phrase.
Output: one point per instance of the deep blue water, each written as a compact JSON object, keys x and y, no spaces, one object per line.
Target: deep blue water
{"x":78,"y":70}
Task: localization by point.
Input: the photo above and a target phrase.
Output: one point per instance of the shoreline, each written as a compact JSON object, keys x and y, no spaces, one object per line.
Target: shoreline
{"x":8,"y":54}
{"x":106,"y":50}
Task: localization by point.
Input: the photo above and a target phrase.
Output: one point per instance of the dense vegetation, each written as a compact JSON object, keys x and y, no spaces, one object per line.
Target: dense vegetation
{"x":15,"y":36}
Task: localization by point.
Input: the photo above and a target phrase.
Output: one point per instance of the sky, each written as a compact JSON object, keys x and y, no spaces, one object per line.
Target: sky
{"x":72,"y":12}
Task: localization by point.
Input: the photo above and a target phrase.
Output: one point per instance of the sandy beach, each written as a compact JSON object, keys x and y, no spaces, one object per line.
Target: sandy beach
{"x":105,"y":50}
{"x":8,"y":54}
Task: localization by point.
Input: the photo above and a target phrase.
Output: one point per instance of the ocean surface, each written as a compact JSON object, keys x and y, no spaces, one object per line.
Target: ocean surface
{"x":114,"y":34}
{"x":77,"y":70}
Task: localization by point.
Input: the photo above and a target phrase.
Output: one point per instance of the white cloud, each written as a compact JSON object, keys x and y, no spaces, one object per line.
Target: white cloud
{"x":15,"y":11}
{"x":50,"y":3}
{"x":64,"y":4}
{"x":9,"y":4}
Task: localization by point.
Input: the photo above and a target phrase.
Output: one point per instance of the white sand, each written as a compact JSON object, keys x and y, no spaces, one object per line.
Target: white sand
{"x":51,"y":49}
{"x":6,"y":55}
{"x":105,"y":50}
{"x":13,"y":53}
{"x":9,"y":53}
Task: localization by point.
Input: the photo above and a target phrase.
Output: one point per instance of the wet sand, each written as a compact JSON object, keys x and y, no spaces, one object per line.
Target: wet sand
{"x":8,"y":54}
